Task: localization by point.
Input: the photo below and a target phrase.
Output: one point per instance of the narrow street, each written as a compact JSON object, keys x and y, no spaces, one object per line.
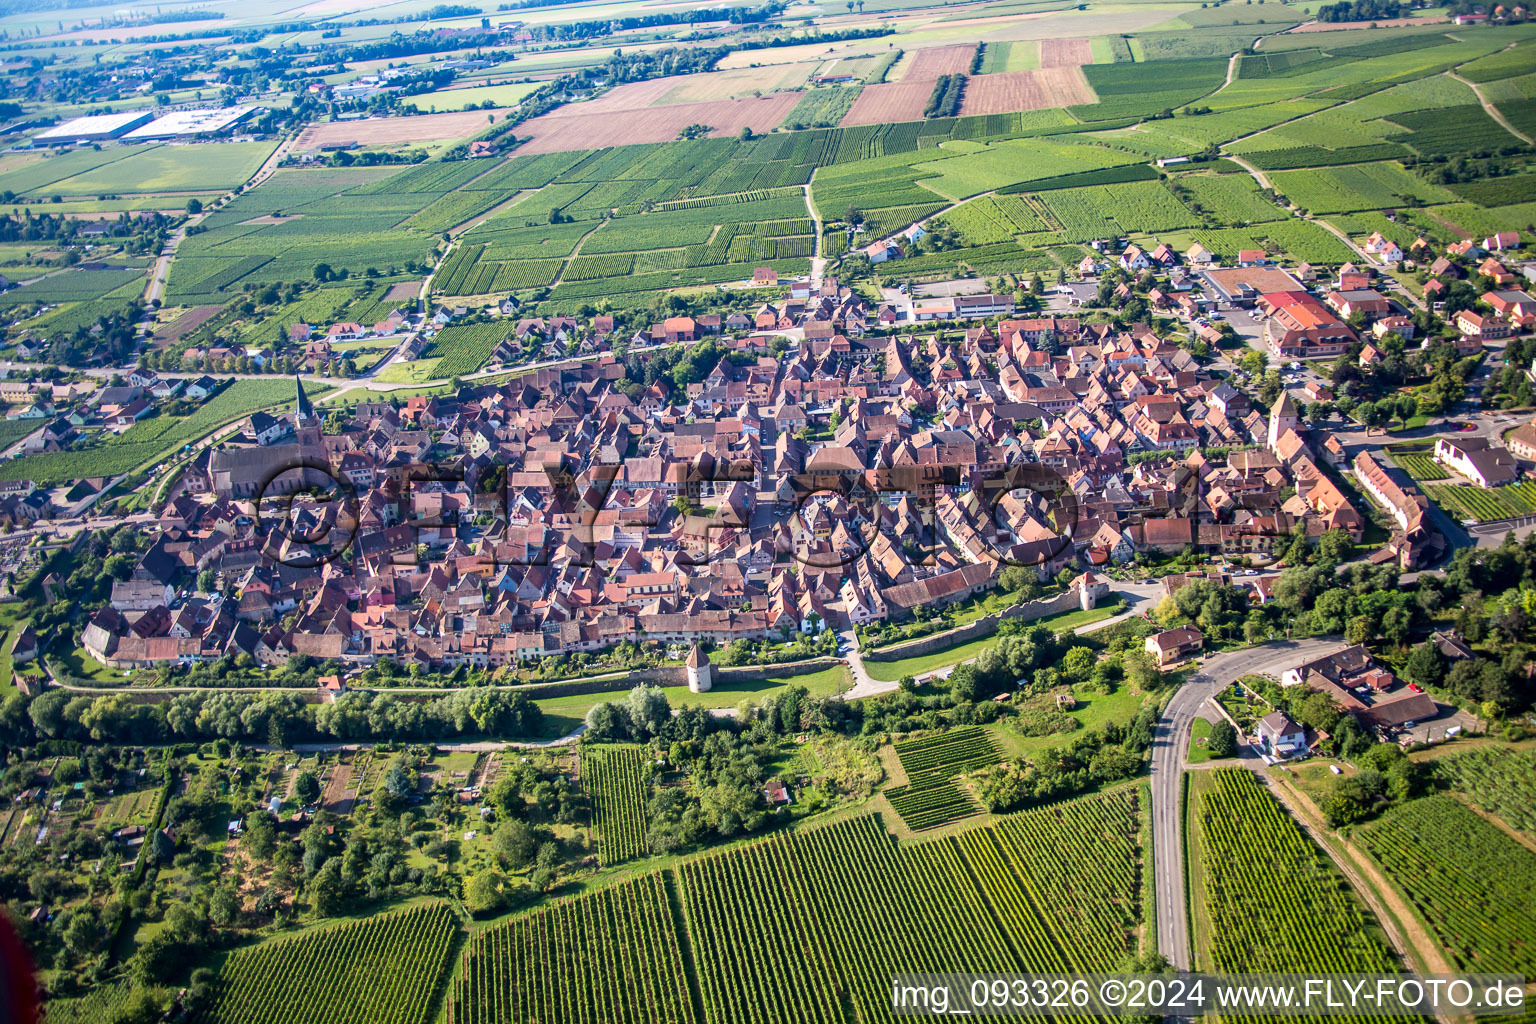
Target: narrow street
{"x":1170,"y":744}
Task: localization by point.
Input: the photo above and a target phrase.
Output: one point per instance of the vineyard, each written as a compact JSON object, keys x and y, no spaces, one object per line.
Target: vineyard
{"x":1501,"y":782}
{"x":1485,"y":504}
{"x":613,"y":955}
{"x":940,"y":757}
{"x":991,"y":219}
{"x":930,"y":798}
{"x":615,"y":779}
{"x":1274,"y":900}
{"x":155,"y":437}
{"x":380,"y":970}
{"x":464,"y":348}
{"x":1442,"y":855}
{"x":1419,"y":464}
{"x":810,"y":925}
{"x":1359,"y":187}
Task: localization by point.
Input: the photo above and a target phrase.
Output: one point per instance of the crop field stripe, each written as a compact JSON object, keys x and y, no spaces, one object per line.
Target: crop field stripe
{"x":1442,"y":855}
{"x":616,"y":784}
{"x":1276,"y":903}
{"x":1500,"y":781}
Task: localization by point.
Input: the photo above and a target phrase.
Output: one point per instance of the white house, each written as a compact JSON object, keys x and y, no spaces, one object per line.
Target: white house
{"x":1279,"y":736}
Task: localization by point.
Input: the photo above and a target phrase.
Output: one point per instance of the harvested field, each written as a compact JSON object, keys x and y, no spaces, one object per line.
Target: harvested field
{"x":1065,"y":53}
{"x":395,"y":131}
{"x":1339,"y":26}
{"x":730,"y":85}
{"x":1024,"y":90}
{"x":340,"y":795}
{"x":928,"y":65}
{"x":631,"y":96}
{"x":563,"y":133}
{"x":403,"y":291}
{"x":185,"y":324}
{"x":891,"y":101}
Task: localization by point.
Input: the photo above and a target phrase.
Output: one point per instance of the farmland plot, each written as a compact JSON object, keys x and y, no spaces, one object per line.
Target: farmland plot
{"x":615,"y":780}
{"x":1051,"y":86}
{"x":380,"y":970}
{"x":1065,"y":53}
{"x":1275,"y":901}
{"x":930,"y":64}
{"x":889,"y":101}
{"x":1442,"y":855}
{"x":1500,"y":781}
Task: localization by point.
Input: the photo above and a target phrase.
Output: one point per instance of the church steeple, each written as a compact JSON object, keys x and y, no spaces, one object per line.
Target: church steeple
{"x":303,"y":411}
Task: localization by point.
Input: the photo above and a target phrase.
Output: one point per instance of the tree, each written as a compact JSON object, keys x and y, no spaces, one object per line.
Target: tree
{"x":327,"y":889}
{"x":484,"y":893}
{"x":161,"y":847}
{"x":306,"y":787}
{"x":1141,"y":671}
{"x":648,"y":710}
{"x":1223,"y":740}
{"x":516,"y":843}
{"x":194,"y":206}
{"x":83,"y":932}
{"x":397,"y":783}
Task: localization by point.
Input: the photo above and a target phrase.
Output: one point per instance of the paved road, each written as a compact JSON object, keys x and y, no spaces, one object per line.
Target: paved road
{"x":1169,"y":745}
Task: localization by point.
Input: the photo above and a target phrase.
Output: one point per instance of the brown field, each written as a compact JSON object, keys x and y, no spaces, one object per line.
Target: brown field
{"x":730,"y":85}
{"x":185,"y":324}
{"x":404,"y":290}
{"x":396,"y":131}
{"x":1065,"y":53}
{"x":891,"y":101}
{"x":632,"y":96}
{"x":928,"y":65}
{"x":572,"y":128}
{"x":1025,"y":90}
{"x":1337,"y":26}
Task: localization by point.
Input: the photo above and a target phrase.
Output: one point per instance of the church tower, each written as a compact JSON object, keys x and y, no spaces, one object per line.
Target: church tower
{"x":306,"y":422}
{"x":1282,"y":418}
{"x":699,"y":671}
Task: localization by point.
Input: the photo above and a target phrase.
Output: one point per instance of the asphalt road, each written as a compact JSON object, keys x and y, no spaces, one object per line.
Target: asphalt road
{"x":1169,"y":745}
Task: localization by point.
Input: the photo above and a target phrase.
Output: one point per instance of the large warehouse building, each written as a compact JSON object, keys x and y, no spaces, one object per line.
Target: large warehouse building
{"x":189,"y":124}
{"x":96,"y":128}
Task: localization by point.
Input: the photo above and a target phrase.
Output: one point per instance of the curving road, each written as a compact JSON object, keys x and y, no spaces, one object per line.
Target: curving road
{"x":1169,"y":745}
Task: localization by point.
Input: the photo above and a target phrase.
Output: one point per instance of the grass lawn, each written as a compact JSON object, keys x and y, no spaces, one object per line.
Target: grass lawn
{"x":459,"y":99}
{"x":562,"y":714}
{"x":79,"y":663}
{"x":414,"y":372}
{"x":1093,"y":710}
{"x":1198,"y":735}
{"x":890,"y":671}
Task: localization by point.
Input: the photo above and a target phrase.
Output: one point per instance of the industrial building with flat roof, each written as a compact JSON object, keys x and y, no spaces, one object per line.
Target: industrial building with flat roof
{"x":186,"y":124}
{"x":94,"y":128}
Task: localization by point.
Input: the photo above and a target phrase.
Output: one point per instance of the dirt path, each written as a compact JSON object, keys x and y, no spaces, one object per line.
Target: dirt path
{"x":1493,"y":111}
{"x":818,"y":261}
{"x":1409,"y":938}
{"x":560,"y":277}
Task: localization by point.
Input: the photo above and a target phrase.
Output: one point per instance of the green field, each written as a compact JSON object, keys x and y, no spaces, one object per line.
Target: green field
{"x":834,"y":909}
{"x":1442,"y":855}
{"x":155,"y":438}
{"x":1485,"y":504}
{"x":1272,"y":899}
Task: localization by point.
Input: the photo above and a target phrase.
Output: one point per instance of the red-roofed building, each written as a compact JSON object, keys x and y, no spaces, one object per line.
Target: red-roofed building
{"x":1298,"y":326}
